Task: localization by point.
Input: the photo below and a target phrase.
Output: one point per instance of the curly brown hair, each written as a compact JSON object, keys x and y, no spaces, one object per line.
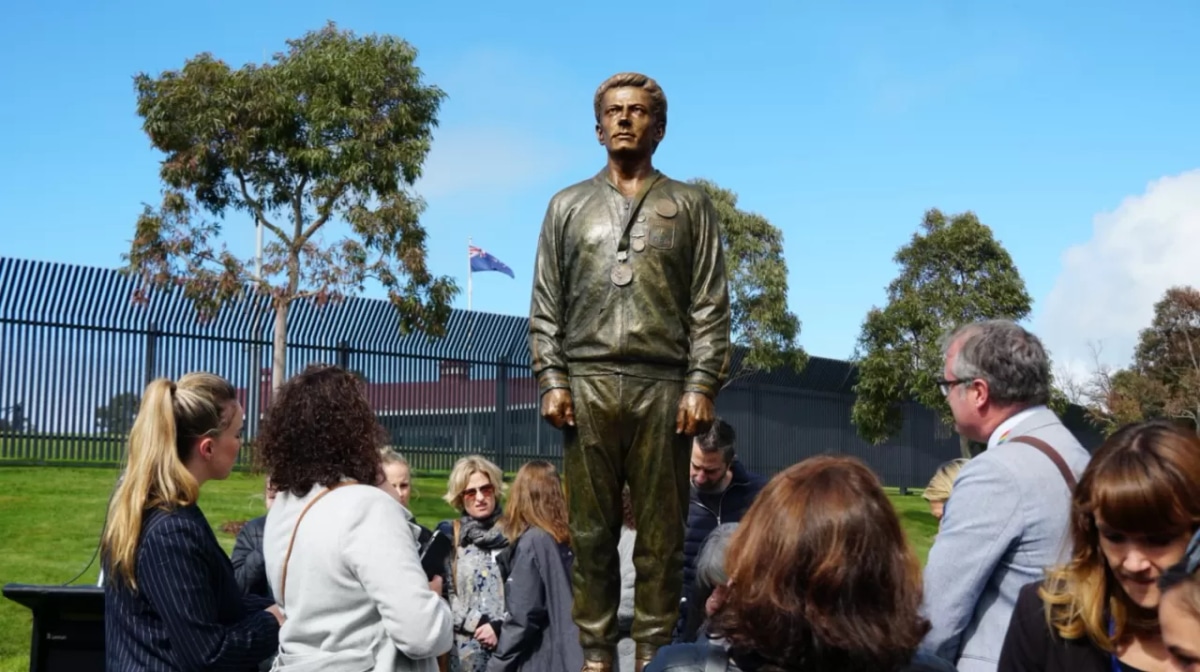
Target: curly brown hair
{"x":318,"y":430}
{"x":822,"y":577}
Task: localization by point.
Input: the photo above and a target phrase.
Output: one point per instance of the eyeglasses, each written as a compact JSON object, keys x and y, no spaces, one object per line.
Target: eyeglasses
{"x":946,"y":385}
{"x":485,"y":490}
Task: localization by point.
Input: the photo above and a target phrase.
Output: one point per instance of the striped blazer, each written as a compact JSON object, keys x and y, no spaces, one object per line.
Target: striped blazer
{"x":188,"y":613}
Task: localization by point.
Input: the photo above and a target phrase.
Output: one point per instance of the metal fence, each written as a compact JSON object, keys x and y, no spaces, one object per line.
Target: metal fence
{"x":75,"y":351}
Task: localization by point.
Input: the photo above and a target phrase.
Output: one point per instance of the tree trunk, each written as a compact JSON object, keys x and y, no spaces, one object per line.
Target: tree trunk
{"x":279,"y":346}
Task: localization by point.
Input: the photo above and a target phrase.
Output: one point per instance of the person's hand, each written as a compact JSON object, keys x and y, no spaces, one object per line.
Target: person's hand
{"x":486,"y":636}
{"x":695,"y":414}
{"x":557,"y":408}
{"x":277,"y":613}
{"x":436,"y":584}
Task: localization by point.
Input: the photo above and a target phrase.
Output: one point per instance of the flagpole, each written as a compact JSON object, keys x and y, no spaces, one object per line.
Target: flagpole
{"x":470,"y":354}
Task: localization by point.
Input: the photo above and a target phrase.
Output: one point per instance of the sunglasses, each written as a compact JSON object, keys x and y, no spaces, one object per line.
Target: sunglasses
{"x":486,"y":490}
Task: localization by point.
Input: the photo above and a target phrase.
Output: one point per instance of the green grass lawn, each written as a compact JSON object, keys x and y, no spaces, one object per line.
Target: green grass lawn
{"x":50,"y":521}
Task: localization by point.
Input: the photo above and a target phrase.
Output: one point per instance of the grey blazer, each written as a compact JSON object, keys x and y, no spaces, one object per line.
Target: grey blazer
{"x":1005,"y":523}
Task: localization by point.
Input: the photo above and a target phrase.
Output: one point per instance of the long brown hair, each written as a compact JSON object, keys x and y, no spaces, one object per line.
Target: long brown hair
{"x":821,"y":574}
{"x":1142,"y":480}
{"x":172,"y":417}
{"x":536,"y":499}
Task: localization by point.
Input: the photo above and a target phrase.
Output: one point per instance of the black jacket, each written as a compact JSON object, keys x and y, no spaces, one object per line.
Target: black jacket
{"x":731,"y":505}
{"x":539,"y":634}
{"x":702,"y":520}
{"x":1030,"y":645}
{"x":249,"y":566}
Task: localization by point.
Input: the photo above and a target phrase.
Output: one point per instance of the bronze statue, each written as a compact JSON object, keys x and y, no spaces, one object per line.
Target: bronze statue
{"x":629,"y":330}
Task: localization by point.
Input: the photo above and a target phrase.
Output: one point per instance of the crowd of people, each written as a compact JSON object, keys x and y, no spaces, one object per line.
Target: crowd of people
{"x":1047,"y":557}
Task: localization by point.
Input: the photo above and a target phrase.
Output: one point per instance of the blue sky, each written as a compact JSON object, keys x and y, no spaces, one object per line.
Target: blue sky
{"x":1055,"y":122}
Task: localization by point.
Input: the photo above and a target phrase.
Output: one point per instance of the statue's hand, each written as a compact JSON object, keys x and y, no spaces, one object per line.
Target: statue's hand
{"x":557,"y":408}
{"x":695,"y":414}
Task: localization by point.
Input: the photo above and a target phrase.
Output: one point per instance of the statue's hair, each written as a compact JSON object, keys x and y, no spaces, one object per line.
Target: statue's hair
{"x":638,"y":81}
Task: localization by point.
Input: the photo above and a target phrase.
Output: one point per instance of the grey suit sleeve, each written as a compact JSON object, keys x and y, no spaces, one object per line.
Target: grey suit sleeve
{"x":980,"y":524}
{"x":525,"y":595}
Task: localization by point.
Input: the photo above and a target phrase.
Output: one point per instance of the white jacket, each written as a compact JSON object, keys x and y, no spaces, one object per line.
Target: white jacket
{"x":357,"y":598}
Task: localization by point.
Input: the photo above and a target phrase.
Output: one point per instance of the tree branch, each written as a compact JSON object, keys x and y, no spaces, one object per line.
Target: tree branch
{"x":323,"y":213}
{"x":257,"y":208}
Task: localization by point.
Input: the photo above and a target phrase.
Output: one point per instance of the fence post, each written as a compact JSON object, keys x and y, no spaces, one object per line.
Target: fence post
{"x":500,"y":419}
{"x":152,"y":334}
{"x":343,"y":355}
{"x":756,"y":452}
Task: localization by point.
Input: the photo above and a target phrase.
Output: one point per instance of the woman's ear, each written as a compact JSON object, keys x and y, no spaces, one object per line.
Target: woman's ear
{"x":204,"y":447}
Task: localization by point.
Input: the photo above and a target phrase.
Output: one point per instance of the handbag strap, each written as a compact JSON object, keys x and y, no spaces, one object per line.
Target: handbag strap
{"x":1051,"y":453}
{"x":292,"y":541}
{"x":457,"y":526}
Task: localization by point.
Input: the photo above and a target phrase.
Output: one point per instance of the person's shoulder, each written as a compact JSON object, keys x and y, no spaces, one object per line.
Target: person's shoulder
{"x":254,"y":526}
{"x":362,"y":500}
{"x":573,"y":193}
{"x":162,"y":522}
{"x":685,"y":192}
{"x":536,"y":535}
{"x":1029,"y":605}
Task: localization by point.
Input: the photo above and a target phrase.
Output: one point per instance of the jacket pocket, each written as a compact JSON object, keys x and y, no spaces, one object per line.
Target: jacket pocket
{"x":661,"y":234}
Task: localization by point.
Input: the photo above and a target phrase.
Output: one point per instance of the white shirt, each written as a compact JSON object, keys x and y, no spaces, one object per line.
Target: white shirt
{"x":1001,"y":433}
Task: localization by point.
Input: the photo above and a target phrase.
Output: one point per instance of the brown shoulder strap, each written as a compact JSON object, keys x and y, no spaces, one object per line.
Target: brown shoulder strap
{"x":1051,"y":453}
{"x":454,"y":558}
{"x":292,"y":541}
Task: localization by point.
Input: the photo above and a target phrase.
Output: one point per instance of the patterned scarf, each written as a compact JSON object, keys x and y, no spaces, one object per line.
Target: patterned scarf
{"x":484,"y":534}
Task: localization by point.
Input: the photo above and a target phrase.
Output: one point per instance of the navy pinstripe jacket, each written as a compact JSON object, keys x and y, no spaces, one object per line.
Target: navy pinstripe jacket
{"x":188,"y":613}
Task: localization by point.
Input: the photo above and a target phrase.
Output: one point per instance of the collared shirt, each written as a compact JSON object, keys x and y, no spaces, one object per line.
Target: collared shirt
{"x":1001,"y":434}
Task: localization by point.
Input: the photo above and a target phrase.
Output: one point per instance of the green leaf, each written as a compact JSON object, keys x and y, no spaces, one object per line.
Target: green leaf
{"x":336,"y":128}
{"x":757,"y":272}
{"x":952,"y":272}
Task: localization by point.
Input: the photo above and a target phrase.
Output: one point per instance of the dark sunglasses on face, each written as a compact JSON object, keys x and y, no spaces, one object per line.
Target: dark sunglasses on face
{"x":486,"y":490}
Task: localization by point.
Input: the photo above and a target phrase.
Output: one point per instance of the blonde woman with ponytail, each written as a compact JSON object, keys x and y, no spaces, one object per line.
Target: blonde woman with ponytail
{"x":171,"y":599}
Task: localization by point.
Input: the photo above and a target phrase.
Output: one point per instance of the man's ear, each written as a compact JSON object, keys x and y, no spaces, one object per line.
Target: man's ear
{"x":982,"y":393}
{"x":599,"y":133}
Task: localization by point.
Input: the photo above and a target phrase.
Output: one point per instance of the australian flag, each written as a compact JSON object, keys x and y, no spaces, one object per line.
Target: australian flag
{"x":482,"y":261}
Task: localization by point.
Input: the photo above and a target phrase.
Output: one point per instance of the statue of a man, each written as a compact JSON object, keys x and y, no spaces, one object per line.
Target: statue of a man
{"x":629,"y":330}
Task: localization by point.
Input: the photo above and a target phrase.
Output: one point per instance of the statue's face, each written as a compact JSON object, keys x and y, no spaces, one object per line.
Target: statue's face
{"x":627,"y":122}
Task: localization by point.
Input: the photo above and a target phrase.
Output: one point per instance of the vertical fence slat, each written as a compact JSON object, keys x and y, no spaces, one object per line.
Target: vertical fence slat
{"x":72,"y":340}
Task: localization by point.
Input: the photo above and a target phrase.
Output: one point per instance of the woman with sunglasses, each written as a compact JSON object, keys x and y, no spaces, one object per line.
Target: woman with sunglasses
{"x":473,"y":584}
{"x":1132,"y":514}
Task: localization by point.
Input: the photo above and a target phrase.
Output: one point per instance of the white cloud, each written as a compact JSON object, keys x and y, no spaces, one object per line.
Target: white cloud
{"x":1107,"y":288}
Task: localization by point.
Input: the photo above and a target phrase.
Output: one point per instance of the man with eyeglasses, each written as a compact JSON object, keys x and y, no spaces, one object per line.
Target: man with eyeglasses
{"x":1007,"y":514}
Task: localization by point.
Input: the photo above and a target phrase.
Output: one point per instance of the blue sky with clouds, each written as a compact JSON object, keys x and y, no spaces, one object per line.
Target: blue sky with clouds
{"x":1070,"y":128}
